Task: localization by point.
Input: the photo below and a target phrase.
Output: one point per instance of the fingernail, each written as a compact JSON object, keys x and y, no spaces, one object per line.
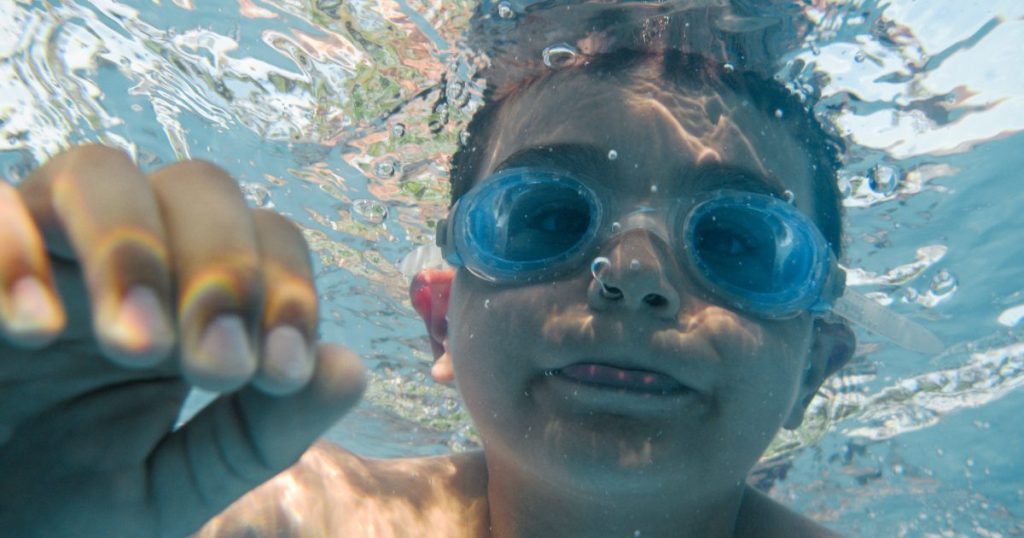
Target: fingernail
{"x":224,"y":353}
{"x":287,"y":355}
{"x":34,"y":310}
{"x":138,"y":327}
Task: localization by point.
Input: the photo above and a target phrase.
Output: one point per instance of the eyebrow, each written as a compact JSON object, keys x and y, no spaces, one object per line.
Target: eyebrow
{"x":578,"y":159}
{"x":586,"y":160}
{"x":714,"y":176}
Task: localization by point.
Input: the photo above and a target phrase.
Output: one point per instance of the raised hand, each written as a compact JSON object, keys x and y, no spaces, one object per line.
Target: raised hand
{"x":118,"y":292}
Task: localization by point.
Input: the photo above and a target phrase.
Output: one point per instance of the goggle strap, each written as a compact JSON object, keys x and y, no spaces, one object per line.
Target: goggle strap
{"x":422,"y":257}
{"x":876,"y":318}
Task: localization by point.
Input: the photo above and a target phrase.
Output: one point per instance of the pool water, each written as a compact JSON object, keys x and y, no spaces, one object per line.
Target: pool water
{"x":342,"y":116}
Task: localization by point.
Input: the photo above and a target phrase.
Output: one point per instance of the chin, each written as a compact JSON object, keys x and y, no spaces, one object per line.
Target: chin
{"x":608,"y":453}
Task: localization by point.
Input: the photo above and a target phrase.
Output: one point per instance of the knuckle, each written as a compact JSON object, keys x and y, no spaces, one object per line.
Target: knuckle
{"x":233,"y":285}
{"x":100,"y":152}
{"x":270,"y":218}
{"x":196,"y":171}
{"x":282,"y":243}
{"x":291,"y":300}
{"x":73,"y":164}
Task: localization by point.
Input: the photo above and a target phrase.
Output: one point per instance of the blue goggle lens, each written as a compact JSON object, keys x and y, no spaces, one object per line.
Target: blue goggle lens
{"x":757,"y":252}
{"x":525,"y":223}
{"x":536,"y":223}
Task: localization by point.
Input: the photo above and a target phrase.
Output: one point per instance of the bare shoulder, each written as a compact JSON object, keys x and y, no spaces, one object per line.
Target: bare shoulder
{"x":332,"y":492}
{"x":762,"y":517}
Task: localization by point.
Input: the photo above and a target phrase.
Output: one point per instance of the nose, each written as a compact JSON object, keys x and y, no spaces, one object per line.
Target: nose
{"x":634,"y":274}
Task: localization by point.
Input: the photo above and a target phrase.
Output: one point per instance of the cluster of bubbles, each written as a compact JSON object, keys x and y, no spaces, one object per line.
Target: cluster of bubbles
{"x":941,"y":288}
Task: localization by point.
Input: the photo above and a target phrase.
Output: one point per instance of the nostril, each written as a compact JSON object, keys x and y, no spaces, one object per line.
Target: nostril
{"x":655,"y":300}
{"x":611,"y":292}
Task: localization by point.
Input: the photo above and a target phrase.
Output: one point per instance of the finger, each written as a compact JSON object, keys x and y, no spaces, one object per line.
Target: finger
{"x":92,"y":204}
{"x":215,"y":255}
{"x":30,"y":312}
{"x":290,"y":305}
{"x":244,"y":439}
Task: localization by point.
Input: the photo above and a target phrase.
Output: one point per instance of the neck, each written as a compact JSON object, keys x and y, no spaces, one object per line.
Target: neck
{"x":523,"y":505}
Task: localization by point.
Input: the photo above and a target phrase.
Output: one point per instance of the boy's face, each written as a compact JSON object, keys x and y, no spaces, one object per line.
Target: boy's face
{"x":743,"y":376}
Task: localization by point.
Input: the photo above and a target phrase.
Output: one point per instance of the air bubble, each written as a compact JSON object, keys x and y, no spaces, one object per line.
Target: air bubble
{"x":654,"y":189}
{"x":612,"y":155}
{"x":729,"y":68}
{"x":464,"y":137}
{"x":883,"y":179}
{"x":943,"y":281}
{"x":505,"y":10}
{"x":370,"y":211}
{"x":487,"y":304}
{"x":778,"y":113}
{"x":398,"y":130}
{"x":453,"y":91}
{"x":634,"y":264}
{"x":559,"y":55}
{"x":845,"y":187}
{"x":788,"y":196}
{"x":860,"y":56}
{"x":616,"y":227}
{"x":256,"y":195}
{"x":386,"y":167}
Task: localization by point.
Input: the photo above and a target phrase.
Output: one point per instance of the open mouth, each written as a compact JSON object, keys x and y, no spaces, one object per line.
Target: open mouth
{"x":613,"y":377}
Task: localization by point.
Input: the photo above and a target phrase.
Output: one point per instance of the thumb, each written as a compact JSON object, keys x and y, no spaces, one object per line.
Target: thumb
{"x":244,"y":439}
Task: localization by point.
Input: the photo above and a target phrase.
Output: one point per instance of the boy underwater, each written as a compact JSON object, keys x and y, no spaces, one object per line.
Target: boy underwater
{"x":645,"y":248}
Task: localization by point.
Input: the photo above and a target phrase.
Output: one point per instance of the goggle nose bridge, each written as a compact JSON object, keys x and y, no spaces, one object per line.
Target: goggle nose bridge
{"x":643,"y":217}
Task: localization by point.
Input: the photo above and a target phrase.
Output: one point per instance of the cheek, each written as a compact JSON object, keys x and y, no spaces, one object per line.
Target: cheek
{"x":496,"y":341}
{"x":487,"y":327}
{"x":764,"y":381}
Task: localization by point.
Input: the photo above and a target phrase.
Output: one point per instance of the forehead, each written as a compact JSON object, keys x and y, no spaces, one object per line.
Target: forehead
{"x":661,"y":135}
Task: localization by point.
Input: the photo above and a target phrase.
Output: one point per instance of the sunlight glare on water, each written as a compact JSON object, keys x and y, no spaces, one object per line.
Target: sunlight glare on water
{"x":342,"y":115}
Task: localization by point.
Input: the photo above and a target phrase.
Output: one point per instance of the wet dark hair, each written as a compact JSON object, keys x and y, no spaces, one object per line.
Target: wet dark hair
{"x":687,"y":72}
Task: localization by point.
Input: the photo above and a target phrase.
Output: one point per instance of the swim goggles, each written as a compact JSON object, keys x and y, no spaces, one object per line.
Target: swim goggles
{"x":751,"y":252}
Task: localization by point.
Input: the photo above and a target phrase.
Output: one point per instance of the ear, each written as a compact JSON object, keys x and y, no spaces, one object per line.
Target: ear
{"x":833,"y":346}
{"x":429,"y":295}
